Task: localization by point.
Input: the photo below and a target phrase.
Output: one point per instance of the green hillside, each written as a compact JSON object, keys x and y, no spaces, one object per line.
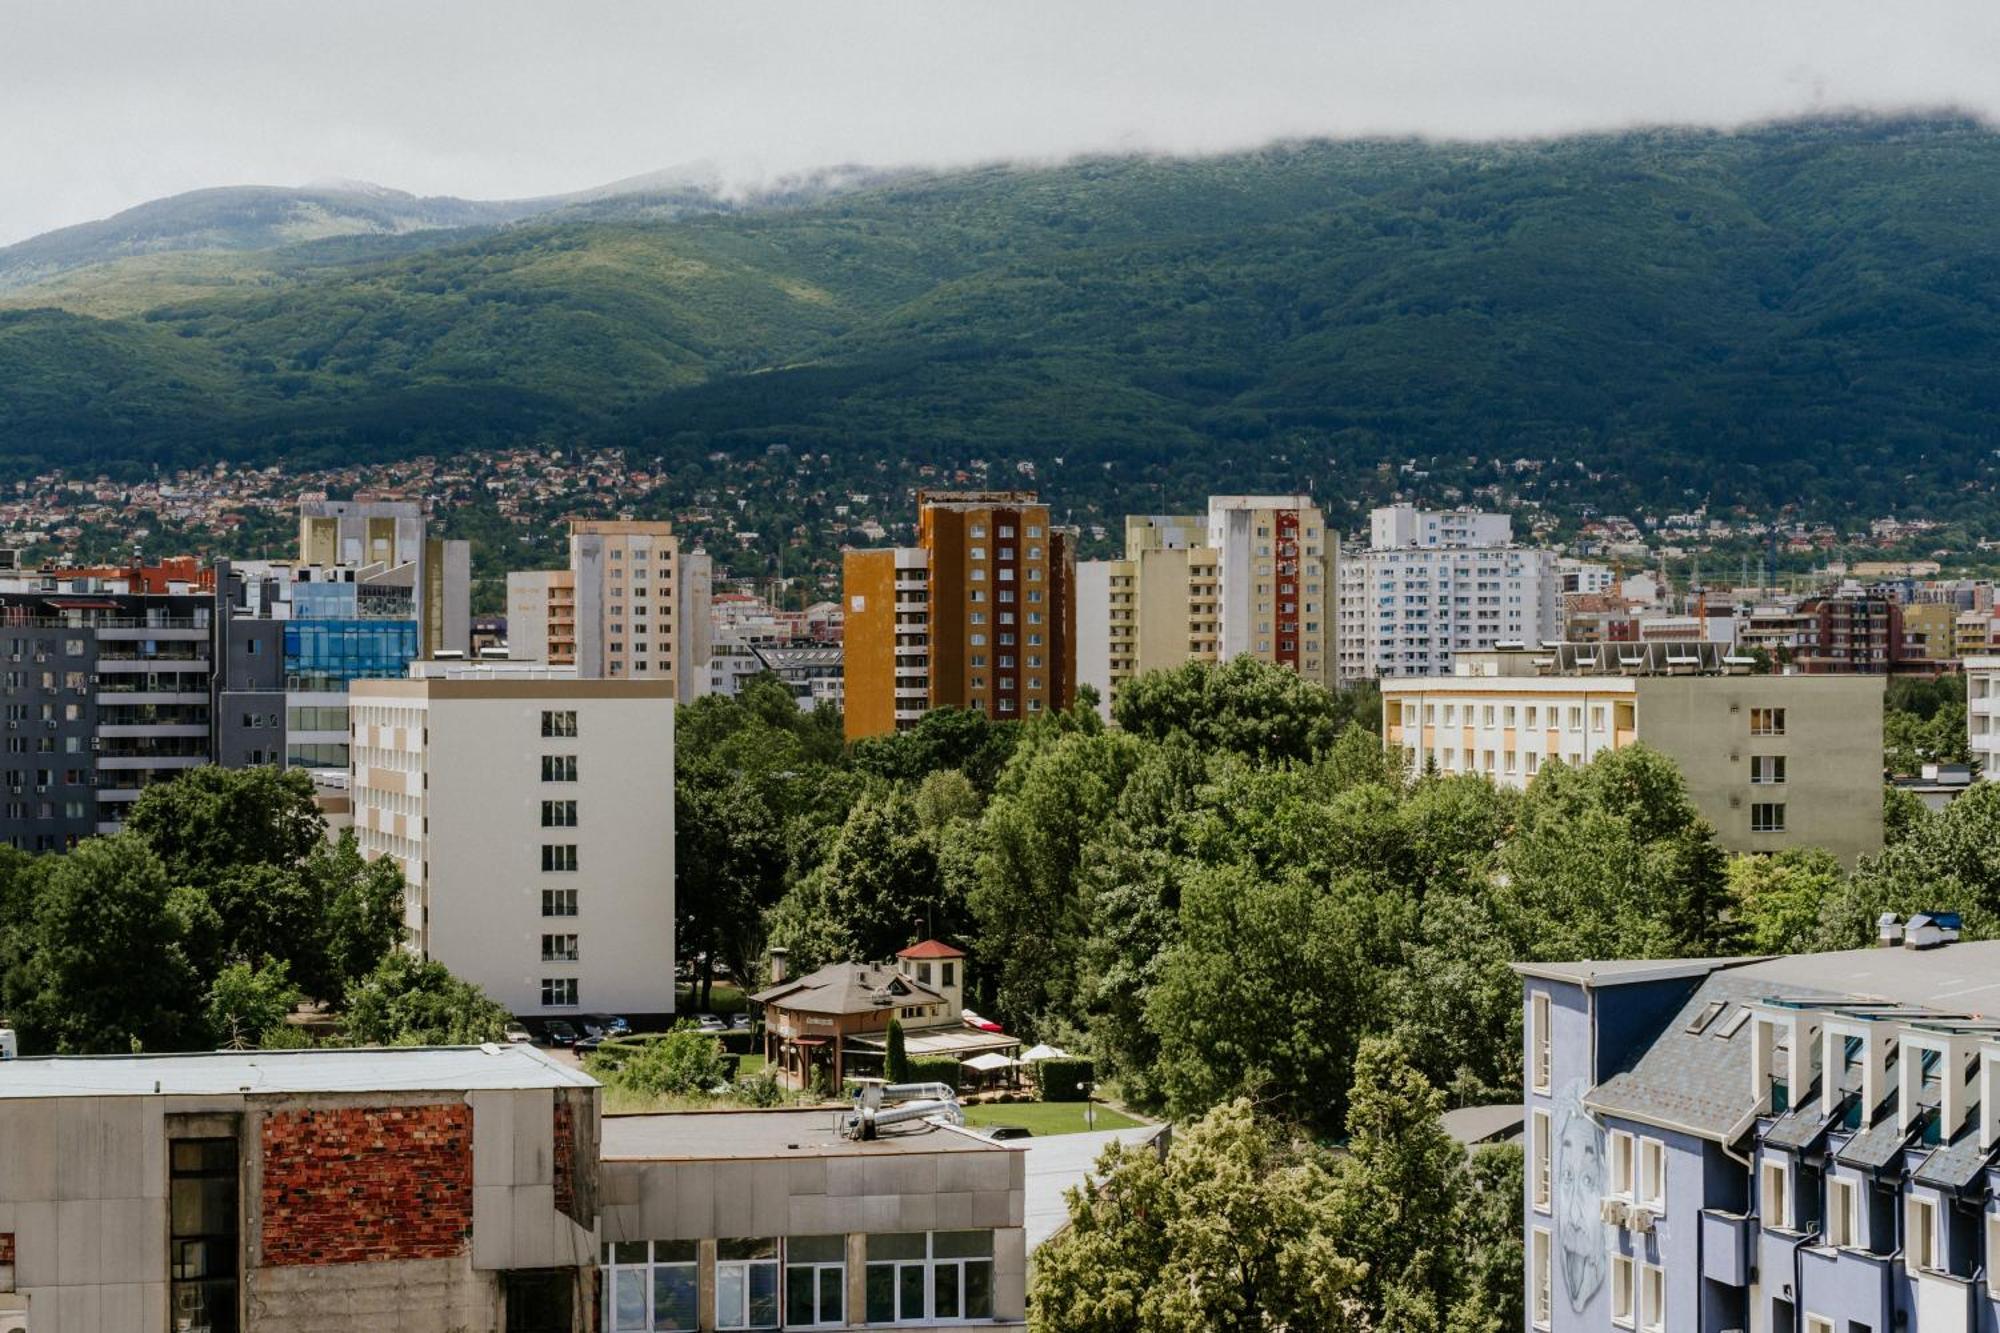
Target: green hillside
{"x":1806,"y":312}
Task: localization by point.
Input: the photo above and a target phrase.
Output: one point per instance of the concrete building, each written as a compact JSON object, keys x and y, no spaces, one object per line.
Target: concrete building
{"x":541,"y":616}
{"x":756,"y":1219}
{"x":532,"y":815}
{"x":1432,"y":585}
{"x":1982,"y":713}
{"x":695,"y":635}
{"x":1772,"y":761}
{"x":834,"y":1023}
{"x":627,"y":599}
{"x":298,"y":1192}
{"x":1782,"y":1145}
{"x":1930,"y":633}
{"x":980,"y":614}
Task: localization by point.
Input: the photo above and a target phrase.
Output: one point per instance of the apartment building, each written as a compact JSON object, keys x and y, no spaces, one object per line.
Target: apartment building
{"x":541,"y":616}
{"x":1435,"y":584}
{"x":532,"y":815}
{"x":627,"y":599}
{"x":1799,"y":1144}
{"x":1982,"y":713}
{"x":980,"y":614}
{"x":1772,"y":761}
{"x":321,"y":1191}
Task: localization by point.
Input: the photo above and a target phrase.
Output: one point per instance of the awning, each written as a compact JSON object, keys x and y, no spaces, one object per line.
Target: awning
{"x":988,"y":1062}
{"x":1044,"y":1052}
{"x":807,"y":1041}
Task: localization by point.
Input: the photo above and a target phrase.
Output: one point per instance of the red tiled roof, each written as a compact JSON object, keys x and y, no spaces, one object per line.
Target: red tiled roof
{"x":931,"y":949}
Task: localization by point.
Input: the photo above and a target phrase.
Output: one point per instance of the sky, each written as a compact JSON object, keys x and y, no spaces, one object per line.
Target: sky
{"x":108,"y":103}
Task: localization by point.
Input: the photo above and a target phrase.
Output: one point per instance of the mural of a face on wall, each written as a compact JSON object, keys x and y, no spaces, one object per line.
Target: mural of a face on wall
{"x":1579,"y":1188}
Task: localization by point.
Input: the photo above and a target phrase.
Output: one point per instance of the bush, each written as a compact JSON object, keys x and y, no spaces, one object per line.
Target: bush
{"x":935,"y":1069}
{"x":1063,"y":1080}
{"x":680,"y":1063}
{"x":896,"y":1063}
{"x":741,"y":1043}
{"x":760,"y":1089}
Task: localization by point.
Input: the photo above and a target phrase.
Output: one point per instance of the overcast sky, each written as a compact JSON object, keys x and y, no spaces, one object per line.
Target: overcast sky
{"x":107,"y":103}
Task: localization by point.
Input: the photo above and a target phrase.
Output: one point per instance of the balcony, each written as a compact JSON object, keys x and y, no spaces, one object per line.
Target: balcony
{"x":1725,"y":1247}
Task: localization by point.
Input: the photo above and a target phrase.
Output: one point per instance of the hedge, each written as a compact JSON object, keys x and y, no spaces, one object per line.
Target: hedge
{"x":1063,"y":1080}
{"x":935,"y":1069}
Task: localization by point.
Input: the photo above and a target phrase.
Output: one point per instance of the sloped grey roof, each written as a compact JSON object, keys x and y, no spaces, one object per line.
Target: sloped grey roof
{"x":1956,"y":1164}
{"x":1804,"y":1124}
{"x":1879,"y":1144}
{"x":1696,"y":1082}
{"x":849,"y":988}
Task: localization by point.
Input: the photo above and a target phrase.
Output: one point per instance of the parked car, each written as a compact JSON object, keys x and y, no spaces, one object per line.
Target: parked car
{"x":561,"y":1033}
{"x":1000,"y":1132}
{"x":604,"y":1025}
{"x":585,"y":1045}
{"x":518,"y":1035}
{"x":710,"y":1023}
{"x":739,"y":1022}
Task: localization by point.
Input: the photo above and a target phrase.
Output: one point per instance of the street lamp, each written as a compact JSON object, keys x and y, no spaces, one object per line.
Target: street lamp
{"x":1089,"y":1105}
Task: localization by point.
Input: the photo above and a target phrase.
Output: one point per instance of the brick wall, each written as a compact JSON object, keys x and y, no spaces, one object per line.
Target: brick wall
{"x":565,"y":1130}
{"x":6,"y":1249}
{"x":366,"y":1184}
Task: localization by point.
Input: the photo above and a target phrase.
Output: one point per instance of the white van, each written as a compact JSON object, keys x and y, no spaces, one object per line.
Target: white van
{"x":10,"y":1045}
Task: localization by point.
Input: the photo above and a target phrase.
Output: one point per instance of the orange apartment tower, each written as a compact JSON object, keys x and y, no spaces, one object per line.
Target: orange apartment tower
{"x":981,"y":613}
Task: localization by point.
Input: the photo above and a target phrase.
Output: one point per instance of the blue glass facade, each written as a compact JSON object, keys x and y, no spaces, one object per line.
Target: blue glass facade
{"x":323,"y":601}
{"x":342,"y":650}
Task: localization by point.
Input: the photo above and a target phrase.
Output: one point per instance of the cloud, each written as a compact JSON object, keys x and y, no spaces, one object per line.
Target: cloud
{"x":112,"y":102}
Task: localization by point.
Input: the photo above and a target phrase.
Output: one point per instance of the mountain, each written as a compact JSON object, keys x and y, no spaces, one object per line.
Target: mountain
{"x":1804,"y":313}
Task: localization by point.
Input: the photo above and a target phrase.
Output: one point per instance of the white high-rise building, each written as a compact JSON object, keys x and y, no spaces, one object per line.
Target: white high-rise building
{"x":1433,"y":584}
{"x":532,"y":815}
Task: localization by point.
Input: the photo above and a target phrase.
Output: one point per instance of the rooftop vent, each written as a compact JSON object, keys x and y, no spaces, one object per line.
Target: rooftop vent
{"x":1889,"y":930}
{"x":1928,"y":930}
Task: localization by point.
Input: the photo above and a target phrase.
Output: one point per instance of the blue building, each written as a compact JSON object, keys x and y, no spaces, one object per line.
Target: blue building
{"x":1779,"y":1145}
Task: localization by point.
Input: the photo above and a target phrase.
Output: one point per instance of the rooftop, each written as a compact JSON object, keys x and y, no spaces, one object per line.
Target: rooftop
{"x":704,"y":1135}
{"x":1062,"y":1162}
{"x":848,"y":988}
{"x":931,"y":949}
{"x":265,"y":1073}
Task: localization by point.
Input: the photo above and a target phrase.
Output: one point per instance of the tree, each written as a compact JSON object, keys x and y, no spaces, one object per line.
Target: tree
{"x":101,"y":967}
{"x":245,"y":1003}
{"x":1781,"y":898}
{"x":961,"y":739}
{"x":1949,"y":861}
{"x":210,"y":822}
{"x":1488,"y":1239}
{"x":1232,"y":1230}
{"x":1253,"y":708}
{"x":896,"y":1064}
{"x":1400,"y":1193}
{"x":407,"y":1001}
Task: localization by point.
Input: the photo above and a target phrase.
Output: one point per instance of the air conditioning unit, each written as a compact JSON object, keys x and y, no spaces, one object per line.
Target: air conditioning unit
{"x":1615,"y":1212}
{"x":1642,"y":1221}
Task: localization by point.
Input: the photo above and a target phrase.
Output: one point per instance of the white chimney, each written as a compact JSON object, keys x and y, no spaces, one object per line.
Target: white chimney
{"x":778,"y":955}
{"x":1889,"y":930}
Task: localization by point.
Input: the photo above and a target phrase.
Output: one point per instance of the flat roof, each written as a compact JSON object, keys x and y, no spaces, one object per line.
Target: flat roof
{"x":1961,"y":977}
{"x":1058,"y":1163}
{"x":1629,"y":971}
{"x":265,"y":1073}
{"x":707,"y":1135}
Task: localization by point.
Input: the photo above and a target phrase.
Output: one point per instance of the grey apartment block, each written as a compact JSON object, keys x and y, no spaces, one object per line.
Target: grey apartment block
{"x":1778,"y":1145}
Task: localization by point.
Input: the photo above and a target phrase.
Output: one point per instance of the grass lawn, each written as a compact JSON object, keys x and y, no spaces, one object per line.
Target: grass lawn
{"x":748,"y":1065}
{"x":1046,"y":1118}
{"x":726,"y":999}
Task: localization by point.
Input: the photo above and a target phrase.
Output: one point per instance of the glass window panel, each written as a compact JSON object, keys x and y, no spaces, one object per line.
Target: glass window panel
{"x":816,"y":1249}
{"x":799,"y":1289}
{"x":897,"y":1245}
{"x":910,"y":1290}
{"x":628,"y":1300}
{"x":629,"y":1252}
{"x":764,"y":1295}
{"x":944,"y":1291}
{"x":741,"y":1248}
{"x":676,"y":1299}
{"x":979,"y":1290}
{"x":881,"y":1293}
{"x":963,"y":1244}
{"x":832,"y":1294}
{"x":730,"y":1290}
{"x":676,"y":1251}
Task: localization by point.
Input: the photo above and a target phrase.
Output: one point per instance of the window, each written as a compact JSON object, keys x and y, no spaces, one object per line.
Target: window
{"x":896,"y":1277}
{"x":1767,"y":770}
{"x":642,"y":1297}
{"x":1621,"y":1290}
{"x":1818,"y":1323}
{"x":559,"y":948}
{"x":947,"y":974}
{"x":1539,"y":1052}
{"x":559,"y":768}
{"x":202,"y":1240}
{"x":1842,"y":1214}
{"x":1575,"y":719}
{"x":1767,"y":722}
{"x":559,"y":723}
{"x":1653,"y":1174}
{"x":1652,"y":1298}
{"x":962,"y":1275}
{"x":1774,"y":1201}
{"x":558,"y":902}
{"x":815,"y":1280}
{"x":1619,"y":1181}
{"x":1767,"y":817}
{"x":746,"y":1284}
{"x":1540,"y":1165}
{"x":1541,"y":1294}
{"x":558,"y":856}
{"x":558,"y":992}
{"x":1920,"y":1247}
{"x":1993,"y":1254}
{"x":558,"y":814}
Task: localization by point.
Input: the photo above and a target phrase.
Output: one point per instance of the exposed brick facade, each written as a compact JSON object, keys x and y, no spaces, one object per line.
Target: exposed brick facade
{"x":366,"y":1184}
{"x":6,"y":1249}
{"x":565,"y":1164}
